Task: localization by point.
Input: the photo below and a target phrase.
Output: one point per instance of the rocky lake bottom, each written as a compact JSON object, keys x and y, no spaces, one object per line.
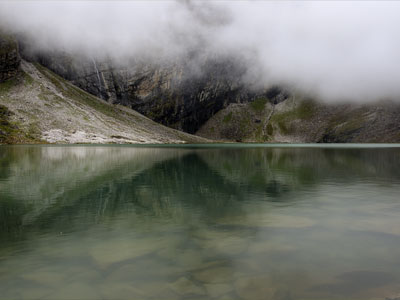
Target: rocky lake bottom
{"x":279,"y":222}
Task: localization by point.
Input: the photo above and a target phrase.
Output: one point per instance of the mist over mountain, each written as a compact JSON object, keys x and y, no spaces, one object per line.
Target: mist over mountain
{"x":237,"y":71}
{"x":337,"y":51}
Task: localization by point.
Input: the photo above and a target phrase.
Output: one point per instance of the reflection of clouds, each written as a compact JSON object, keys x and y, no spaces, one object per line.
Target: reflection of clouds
{"x":60,"y":153}
{"x":37,"y":171}
{"x":41,"y":176}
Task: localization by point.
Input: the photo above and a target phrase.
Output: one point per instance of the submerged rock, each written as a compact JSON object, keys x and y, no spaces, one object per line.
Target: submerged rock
{"x":221,"y":242}
{"x":109,"y":252}
{"x":274,"y":221}
{"x":186,"y":259}
{"x":218,"y":274}
{"x":121,"y":291}
{"x":269,"y":246}
{"x":254,"y":288}
{"x":47,"y":277}
{"x":353,"y":282}
{"x":218,"y":289}
{"x":76,"y":291}
{"x":143,"y":270}
{"x":185,"y":287}
{"x":227,"y":246}
{"x":136,"y":288}
{"x":226,"y":297}
{"x":36,"y":292}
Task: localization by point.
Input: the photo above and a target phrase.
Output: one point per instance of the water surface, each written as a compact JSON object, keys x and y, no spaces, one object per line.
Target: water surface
{"x":200,"y":222}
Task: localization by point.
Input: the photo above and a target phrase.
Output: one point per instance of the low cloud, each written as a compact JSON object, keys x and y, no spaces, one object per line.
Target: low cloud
{"x":336,"y":50}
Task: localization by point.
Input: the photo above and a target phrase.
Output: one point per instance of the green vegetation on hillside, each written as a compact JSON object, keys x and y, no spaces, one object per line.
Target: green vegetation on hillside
{"x":6,"y":86}
{"x":260,"y":120}
{"x":258,"y":104}
{"x":304,"y":111}
{"x":6,"y":128}
{"x":227,"y":118}
{"x":10,"y":133}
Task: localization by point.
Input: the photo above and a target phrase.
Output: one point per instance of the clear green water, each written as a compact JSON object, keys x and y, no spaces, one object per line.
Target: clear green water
{"x":229,"y":222}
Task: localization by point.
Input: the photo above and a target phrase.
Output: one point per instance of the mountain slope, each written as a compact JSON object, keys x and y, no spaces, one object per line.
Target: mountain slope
{"x":214,"y":102}
{"x":301,"y":120}
{"x":182,"y":93}
{"x":39,"y":106}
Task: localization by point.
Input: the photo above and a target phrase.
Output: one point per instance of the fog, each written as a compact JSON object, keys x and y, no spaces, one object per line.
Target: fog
{"x":336,"y":50}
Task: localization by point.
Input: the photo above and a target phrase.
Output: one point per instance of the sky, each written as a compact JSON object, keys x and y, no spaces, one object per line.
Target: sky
{"x":337,"y":50}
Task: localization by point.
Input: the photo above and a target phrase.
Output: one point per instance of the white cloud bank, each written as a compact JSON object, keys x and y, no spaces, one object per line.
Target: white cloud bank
{"x":339,"y":50}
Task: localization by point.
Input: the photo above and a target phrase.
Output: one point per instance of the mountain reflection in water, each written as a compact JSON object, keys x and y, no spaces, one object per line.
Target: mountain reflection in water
{"x":232,"y":222}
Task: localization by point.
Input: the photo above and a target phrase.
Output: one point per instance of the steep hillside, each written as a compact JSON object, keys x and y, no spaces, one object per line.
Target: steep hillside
{"x":38,"y":106}
{"x":301,"y":120}
{"x":181,"y":94}
{"x":208,"y":96}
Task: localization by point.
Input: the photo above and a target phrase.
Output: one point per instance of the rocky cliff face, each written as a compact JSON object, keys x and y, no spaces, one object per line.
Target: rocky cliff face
{"x":9,"y":57}
{"x":207,"y":96}
{"x":182,"y":95}
{"x":38,"y":106}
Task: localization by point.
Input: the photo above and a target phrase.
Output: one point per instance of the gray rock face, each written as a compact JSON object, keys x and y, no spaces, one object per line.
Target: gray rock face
{"x":9,"y":57}
{"x":182,"y":95}
{"x":208,"y":96}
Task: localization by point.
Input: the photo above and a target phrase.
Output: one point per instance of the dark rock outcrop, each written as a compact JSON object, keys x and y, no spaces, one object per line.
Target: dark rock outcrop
{"x":9,"y":57}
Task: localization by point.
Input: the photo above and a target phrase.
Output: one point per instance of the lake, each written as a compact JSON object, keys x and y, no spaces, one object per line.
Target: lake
{"x":279,"y":222}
